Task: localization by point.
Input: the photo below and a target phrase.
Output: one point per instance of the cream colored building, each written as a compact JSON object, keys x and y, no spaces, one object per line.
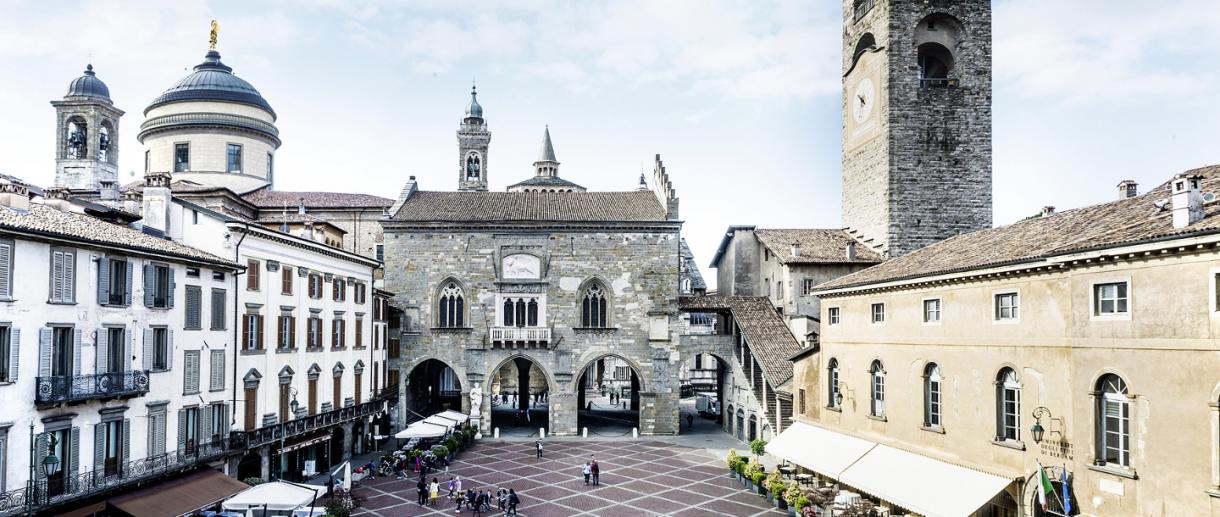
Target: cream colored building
{"x":1097,"y":326}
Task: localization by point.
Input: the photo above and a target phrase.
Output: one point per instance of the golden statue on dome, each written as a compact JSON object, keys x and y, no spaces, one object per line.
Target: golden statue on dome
{"x":213,"y":34}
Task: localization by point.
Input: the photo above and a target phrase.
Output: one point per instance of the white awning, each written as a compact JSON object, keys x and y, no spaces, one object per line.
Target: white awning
{"x":422,"y":430}
{"x":820,"y":450}
{"x":922,"y":484}
{"x":440,"y":420}
{"x":276,"y":496}
{"x":453,"y":415}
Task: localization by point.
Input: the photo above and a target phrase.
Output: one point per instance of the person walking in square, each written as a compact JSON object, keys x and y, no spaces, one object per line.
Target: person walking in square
{"x":421,"y":487}
{"x":434,"y":492}
{"x":587,"y":472}
{"x":538,"y":445}
{"x":501,"y":498}
{"x":513,"y":501}
{"x":595,"y":470}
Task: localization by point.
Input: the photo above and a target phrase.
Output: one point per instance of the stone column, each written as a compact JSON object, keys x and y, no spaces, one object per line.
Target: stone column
{"x":265,"y":454}
{"x":523,"y":382}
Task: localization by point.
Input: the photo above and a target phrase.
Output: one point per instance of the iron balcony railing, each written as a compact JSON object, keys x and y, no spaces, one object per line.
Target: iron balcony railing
{"x":520,"y":334}
{"x":45,"y":493}
{"x":74,"y":388}
{"x":300,"y":426}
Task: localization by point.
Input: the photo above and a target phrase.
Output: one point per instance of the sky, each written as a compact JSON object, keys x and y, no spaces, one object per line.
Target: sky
{"x":740,"y":99}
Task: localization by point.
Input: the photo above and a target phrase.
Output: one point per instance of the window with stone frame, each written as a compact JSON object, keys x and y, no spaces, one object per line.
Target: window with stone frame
{"x":286,"y":280}
{"x":832,"y":383}
{"x":287,"y":326}
{"x":877,"y":390}
{"x":1007,"y":306}
{"x":594,"y":306}
{"x":931,"y":310}
{"x":315,"y":286}
{"x":1110,"y":299}
{"x":182,"y":157}
{"x":158,"y":286}
{"x":63,"y":276}
{"x":252,"y":274}
{"x":932,"y":381}
{"x":10,"y":352}
{"x":340,"y":290}
{"x":252,"y":331}
{"x":451,"y":306}
{"x":313,"y":329}
{"x":338,"y":333}
{"x":807,"y":286}
{"x":114,"y":281}
{"x":359,"y":337}
{"x":878,"y":313}
{"x":233,"y":158}
{"x":1113,"y":422}
{"x":832,"y":316}
{"x":1008,"y":406}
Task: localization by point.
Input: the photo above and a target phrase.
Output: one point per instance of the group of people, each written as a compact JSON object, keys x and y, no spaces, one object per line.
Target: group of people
{"x":398,"y":466}
{"x":477,"y":502}
{"x":539,"y":397}
{"x":591,"y":471}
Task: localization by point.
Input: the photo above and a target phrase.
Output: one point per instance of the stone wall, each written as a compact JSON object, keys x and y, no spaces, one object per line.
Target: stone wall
{"x":638,"y":266}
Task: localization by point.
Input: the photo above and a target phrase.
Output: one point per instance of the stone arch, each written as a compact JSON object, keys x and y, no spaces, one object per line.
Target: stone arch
{"x":552,"y":384}
{"x":1108,"y":370}
{"x":937,"y":39}
{"x":644,"y":385}
{"x":410,"y":367}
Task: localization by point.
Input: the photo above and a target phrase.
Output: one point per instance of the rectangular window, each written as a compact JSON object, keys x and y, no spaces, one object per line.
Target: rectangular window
{"x":146,"y":155}
{"x":194,"y":217}
{"x":216,"y":371}
{"x":251,"y":408}
{"x":287,"y":332}
{"x":286,"y":280}
{"x":315,"y":333}
{"x":63,"y":276}
{"x":340,"y":290}
{"x":1110,"y":299}
{"x":359,"y":332}
{"x":800,"y":400}
{"x":233,"y":161}
{"x":218,"y":276}
{"x":252,"y":332}
{"x":379,"y":251}
{"x":160,"y":348}
{"x":190,"y":374}
{"x":218,"y":309}
{"x":219,"y":423}
{"x":194,"y":307}
{"x":315,"y":286}
{"x":832,"y":315}
{"x":156,"y":432}
{"x":158,"y":286}
{"x":337,"y":329}
{"x":252,"y":271}
{"x":110,"y":437}
{"x":360,"y":292}
{"x":1116,"y":432}
{"x":192,"y":272}
{"x":1006,"y":306}
{"x":270,"y":167}
{"x":878,"y":313}
{"x":182,"y":157}
{"x":807,"y":286}
{"x":116,"y":349}
{"x":116,"y":288}
{"x":931,"y":310}
{"x":6,"y":352}
{"x":188,"y":430}
{"x":63,"y":351}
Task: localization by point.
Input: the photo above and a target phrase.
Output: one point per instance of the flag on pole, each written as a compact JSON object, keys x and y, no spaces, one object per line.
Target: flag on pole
{"x":1044,"y":485}
{"x":1067,"y":498}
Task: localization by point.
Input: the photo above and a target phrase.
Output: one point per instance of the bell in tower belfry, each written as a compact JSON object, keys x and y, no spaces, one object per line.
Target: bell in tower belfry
{"x":916,"y":121}
{"x":473,"y":141}
{"x":87,"y":127}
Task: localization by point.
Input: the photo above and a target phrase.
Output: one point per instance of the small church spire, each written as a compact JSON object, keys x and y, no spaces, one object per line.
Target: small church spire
{"x":547,"y":164}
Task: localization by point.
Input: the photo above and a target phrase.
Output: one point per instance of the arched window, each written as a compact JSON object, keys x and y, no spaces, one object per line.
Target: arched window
{"x":1008,"y":406}
{"x":593,"y":307}
{"x":508,"y":312}
{"x":877,"y":389}
{"x":474,"y":167}
{"x":1113,"y":422}
{"x":937,"y":37}
{"x":832,"y":382}
{"x":451,"y":306}
{"x":753,"y":427}
{"x":76,"y":139}
{"x":935,"y":63}
{"x":104,"y":144}
{"x":531,"y":313}
{"x":931,"y":395}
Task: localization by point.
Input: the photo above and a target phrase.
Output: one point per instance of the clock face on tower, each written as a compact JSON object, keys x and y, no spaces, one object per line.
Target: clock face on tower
{"x":862,"y":100}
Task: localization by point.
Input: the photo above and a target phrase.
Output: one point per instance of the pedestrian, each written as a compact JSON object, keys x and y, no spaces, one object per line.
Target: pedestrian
{"x":504,"y":397}
{"x":538,"y":445}
{"x":501,"y":498}
{"x":587,"y":471}
{"x":595,"y":470}
{"x":527,"y":416}
{"x":481,"y":502}
{"x":470,"y":496}
{"x":421,"y":488}
{"x":513,"y":501}
{"x":434,"y":492}
{"x":690,"y":421}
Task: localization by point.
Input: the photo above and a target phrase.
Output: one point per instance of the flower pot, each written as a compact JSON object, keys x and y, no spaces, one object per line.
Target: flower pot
{"x":791,"y":512}
{"x":762,"y":490}
{"x":780,"y":503}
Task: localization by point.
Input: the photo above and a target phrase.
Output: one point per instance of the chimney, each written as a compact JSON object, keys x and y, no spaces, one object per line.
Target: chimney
{"x":133,"y":201}
{"x":1187,"y":199}
{"x":851,"y":251}
{"x":301,"y":206}
{"x":14,"y":195}
{"x":1127,"y":188}
{"x":1048,"y":211}
{"x":796,"y":249}
{"x":57,"y":198}
{"x":156,"y":203}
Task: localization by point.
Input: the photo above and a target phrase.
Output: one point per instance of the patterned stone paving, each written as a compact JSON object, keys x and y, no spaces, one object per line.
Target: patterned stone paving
{"x":638,"y":478}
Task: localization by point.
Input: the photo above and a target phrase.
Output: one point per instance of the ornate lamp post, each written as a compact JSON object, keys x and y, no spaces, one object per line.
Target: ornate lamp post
{"x":50,"y":467}
{"x":1037,"y":431}
{"x":284,"y":430}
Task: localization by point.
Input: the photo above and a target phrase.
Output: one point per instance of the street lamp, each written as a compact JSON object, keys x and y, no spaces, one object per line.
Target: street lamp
{"x":1037,"y":431}
{"x":50,"y":467}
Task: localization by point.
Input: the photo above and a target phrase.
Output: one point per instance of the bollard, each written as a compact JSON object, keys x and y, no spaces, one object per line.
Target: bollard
{"x":541,"y":432}
{"x":495,"y":433}
{"x":585,"y":433}
{"x":635,"y":432}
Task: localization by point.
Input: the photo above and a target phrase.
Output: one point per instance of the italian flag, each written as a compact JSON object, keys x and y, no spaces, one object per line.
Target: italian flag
{"x":1044,"y":483}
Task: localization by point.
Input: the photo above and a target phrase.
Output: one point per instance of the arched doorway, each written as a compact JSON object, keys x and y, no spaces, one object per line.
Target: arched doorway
{"x":1054,"y":501}
{"x":608,"y":396}
{"x":703,"y":377}
{"x":358,"y":443}
{"x":520,"y":397}
{"x":741,"y":424}
{"x":250,"y":466}
{"x":432,"y":387}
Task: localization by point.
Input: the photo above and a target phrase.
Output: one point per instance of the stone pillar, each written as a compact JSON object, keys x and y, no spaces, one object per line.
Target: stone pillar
{"x":265,"y":454}
{"x":523,"y":382}
{"x":635,"y":392}
{"x":562,"y":410}
{"x":347,"y":443}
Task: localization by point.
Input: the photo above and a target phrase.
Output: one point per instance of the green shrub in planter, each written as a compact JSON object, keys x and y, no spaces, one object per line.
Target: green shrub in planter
{"x":732,"y":458}
{"x":792,"y":493}
{"x":758,"y":478}
{"x":775,"y":485}
{"x":253,"y":481}
{"x":440,"y":450}
{"x":758,"y":447}
{"x":800,"y":503}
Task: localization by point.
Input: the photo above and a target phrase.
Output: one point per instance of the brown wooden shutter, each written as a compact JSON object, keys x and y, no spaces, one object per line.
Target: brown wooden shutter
{"x":357,"y":376}
{"x":252,"y":271}
{"x":313,"y":396}
{"x":292,"y":331}
{"x":359,"y":334}
{"x":251,"y":407}
{"x":259,"y":319}
{"x":287,"y":280}
{"x":245,"y":331}
{"x":338,"y":395}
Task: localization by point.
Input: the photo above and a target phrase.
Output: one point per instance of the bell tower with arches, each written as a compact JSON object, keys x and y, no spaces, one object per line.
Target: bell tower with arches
{"x":916,"y":121}
{"x":87,"y":138}
{"x":473,"y":141}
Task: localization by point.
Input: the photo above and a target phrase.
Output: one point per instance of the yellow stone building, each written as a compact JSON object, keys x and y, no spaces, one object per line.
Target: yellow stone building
{"x":1083,"y":341}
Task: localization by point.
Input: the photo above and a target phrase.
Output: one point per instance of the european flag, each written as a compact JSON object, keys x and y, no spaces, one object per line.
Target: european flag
{"x":1067,"y":498}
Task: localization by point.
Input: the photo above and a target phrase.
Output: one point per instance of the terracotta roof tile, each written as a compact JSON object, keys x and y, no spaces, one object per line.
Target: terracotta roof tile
{"x":267,"y":198}
{"x":1099,"y":226}
{"x":818,"y":246}
{"x":531,"y":206}
{"x":764,"y":329}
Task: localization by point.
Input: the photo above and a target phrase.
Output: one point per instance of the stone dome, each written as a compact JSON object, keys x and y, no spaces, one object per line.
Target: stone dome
{"x":88,"y":85}
{"x":212,"y":81}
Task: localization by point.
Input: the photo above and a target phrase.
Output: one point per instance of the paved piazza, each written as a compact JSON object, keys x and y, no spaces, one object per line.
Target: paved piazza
{"x":637,"y":478}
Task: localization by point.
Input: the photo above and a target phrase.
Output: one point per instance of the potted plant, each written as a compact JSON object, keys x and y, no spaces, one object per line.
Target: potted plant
{"x":793,"y":496}
{"x":799,"y":505}
{"x":759,"y":478}
{"x":758,"y":447}
{"x":752,"y":470}
{"x":731,"y":460}
{"x":775,"y":489}
{"x":440,"y":451}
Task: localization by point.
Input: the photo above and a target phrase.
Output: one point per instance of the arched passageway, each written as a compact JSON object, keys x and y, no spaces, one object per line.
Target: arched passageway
{"x":432,"y":387}
{"x":703,"y":377}
{"x":250,"y":466}
{"x":520,"y":397}
{"x":608,"y":397}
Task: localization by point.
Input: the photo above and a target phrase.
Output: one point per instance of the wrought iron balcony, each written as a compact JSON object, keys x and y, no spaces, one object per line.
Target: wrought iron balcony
{"x":520,"y":335}
{"x":300,"y":426}
{"x":44,"y":494}
{"x":76,"y":388}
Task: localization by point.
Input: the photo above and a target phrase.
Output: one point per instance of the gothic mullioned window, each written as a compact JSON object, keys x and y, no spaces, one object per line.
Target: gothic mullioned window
{"x":593,"y":307}
{"x":451,"y":306}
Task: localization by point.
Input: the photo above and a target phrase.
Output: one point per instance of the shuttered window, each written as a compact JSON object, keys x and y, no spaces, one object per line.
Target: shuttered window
{"x":359,"y":332}
{"x":251,"y":408}
{"x":252,"y":332}
{"x":340,"y":293}
{"x":337,"y":333}
{"x":63,"y":276}
{"x":218,"y":309}
{"x":156,"y":432}
{"x":315,"y":286}
{"x":190,"y":374}
{"x":315,"y":333}
{"x":10,"y":353}
{"x":286,"y":280}
{"x":252,"y":273}
{"x":216,"y":371}
{"x":158,"y":286}
{"x":194,"y":307}
{"x":287,"y":332}
{"x":114,"y":281}
{"x":6,"y":268}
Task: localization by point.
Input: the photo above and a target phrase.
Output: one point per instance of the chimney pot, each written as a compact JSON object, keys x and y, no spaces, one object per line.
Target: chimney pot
{"x":1048,"y":211}
{"x":796,"y":249}
{"x":15,"y":196}
{"x":1187,"y":199}
{"x":1127,"y":188}
{"x":157,"y":198}
{"x":851,"y":251}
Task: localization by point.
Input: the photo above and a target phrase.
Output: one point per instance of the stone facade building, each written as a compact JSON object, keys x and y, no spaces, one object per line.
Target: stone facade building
{"x":503,"y":289}
{"x":916,"y":121}
{"x":1082,"y":341}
